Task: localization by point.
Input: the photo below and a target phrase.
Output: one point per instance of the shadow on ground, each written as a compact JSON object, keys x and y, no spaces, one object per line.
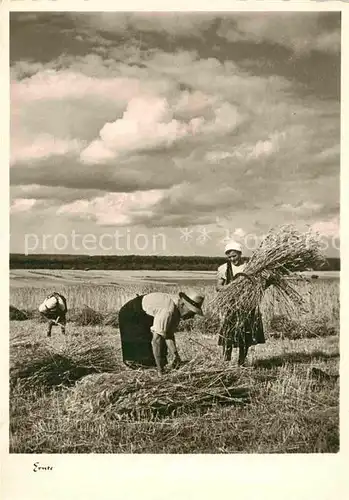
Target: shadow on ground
{"x":293,"y":357}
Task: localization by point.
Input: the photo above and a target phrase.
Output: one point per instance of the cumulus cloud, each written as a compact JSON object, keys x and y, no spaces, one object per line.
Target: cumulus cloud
{"x":239,"y":232}
{"x":69,"y":172}
{"x":299,"y":32}
{"x":165,"y":138}
{"x":148,"y":123}
{"x":329,"y":154}
{"x":192,"y":204}
{"x":183,"y":204}
{"x":301,"y":208}
{"x":153,"y":112}
{"x":22,"y":205}
{"x":327,"y":227}
{"x":246,"y":152}
{"x":116,"y":209}
{"x":52,"y":195}
{"x":57,"y":85}
{"x":210,"y":76}
{"x":42,"y":147}
{"x":171,"y":23}
{"x":218,"y":156}
{"x":328,"y":42}
{"x":193,"y":104}
{"x":178,"y":114}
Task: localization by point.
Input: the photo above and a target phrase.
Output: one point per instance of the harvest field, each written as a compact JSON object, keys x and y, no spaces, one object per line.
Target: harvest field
{"x":71,"y":394}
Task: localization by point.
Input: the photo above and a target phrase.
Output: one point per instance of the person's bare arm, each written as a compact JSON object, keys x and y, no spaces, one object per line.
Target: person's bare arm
{"x":220,"y":283}
{"x":172,"y":347}
{"x":162,"y":328}
{"x":156,"y":345}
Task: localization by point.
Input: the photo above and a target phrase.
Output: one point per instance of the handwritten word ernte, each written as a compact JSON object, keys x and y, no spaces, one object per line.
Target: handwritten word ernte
{"x":38,"y":467}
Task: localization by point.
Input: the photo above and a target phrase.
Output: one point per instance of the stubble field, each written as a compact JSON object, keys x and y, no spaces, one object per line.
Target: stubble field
{"x":71,"y":394}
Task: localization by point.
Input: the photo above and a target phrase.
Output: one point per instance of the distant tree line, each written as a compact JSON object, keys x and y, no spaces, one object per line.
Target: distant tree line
{"x":131,"y":262}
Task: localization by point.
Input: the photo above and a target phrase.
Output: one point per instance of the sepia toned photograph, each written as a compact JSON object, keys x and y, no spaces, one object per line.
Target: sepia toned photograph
{"x":174,"y":232}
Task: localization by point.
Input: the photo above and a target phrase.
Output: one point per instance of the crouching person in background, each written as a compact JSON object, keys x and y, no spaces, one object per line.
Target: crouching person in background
{"x":54,"y":308}
{"x":147,"y":325}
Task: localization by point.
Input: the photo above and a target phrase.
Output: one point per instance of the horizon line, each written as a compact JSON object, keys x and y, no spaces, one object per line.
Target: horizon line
{"x":131,"y":255}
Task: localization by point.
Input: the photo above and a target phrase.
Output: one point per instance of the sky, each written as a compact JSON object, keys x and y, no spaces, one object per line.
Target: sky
{"x":168,"y":133}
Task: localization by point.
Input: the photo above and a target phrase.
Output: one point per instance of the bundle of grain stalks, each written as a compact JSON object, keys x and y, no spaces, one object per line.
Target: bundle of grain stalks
{"x":111,"y":319}
{"x":283,"y":253}
{"x":136,"y":395}
{"x":49,"y":366}
{"x":36,"y":315}
{"x":88,"y":317}
{"x":17,"y":314}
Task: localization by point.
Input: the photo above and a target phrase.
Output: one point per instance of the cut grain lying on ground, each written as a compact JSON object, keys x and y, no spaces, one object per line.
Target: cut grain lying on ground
{"x":71,"y":394}
{"x":277,"y":404}
{"x":47,"y":366}
{"x":139,"y":395}
{"x":284,"y":406}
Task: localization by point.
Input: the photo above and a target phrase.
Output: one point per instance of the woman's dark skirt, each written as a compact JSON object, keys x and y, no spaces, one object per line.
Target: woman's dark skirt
{"x":136,"y":336}
{"x":248,"y":332}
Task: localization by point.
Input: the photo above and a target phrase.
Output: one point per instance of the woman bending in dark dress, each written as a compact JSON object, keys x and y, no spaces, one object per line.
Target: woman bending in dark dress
{"x":147,"y":326}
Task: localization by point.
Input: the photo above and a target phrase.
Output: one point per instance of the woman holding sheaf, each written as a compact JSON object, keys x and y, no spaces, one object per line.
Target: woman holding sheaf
{"x":250,"y":331}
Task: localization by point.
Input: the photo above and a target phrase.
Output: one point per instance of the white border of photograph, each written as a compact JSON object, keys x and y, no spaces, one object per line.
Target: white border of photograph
{"x":156,"y":477}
